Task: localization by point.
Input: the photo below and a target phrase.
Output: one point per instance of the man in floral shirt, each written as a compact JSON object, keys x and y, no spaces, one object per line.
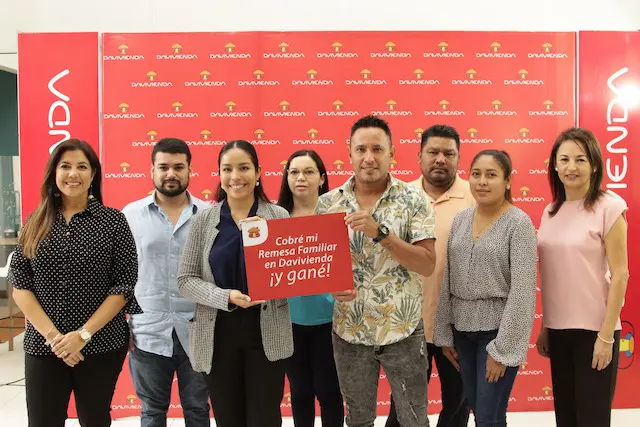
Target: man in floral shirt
{"x":379,"y":323}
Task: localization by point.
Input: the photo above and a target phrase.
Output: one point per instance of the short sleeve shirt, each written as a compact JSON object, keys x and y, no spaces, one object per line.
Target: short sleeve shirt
{"x":77,"y":266}
{"x":574,"y":272}
{"x":388,"y":306}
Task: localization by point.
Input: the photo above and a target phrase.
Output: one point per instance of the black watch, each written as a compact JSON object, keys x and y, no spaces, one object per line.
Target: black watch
{"x":383,"y":233}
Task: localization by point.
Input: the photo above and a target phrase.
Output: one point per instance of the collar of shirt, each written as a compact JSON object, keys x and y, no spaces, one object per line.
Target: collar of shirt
{"x":225,"y":210}
{"x":347,"y":190}
{"x":94,"y":207}
{"x":456,"y":191}
{"x":194,"y":205}
{"x":151,"y":200}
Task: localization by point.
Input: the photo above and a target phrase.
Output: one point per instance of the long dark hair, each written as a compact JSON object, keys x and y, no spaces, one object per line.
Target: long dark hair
{"x":39,"y":224}
{"x":587,"y":140}
{"x":285,"y":199}
{"x":503,"y":159}
{"x":245,"y":146}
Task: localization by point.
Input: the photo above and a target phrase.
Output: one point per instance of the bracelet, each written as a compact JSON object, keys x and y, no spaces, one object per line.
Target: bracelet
{"x":48,"y":332}
{"x":605,"y":341}
{"x":48,"y":343}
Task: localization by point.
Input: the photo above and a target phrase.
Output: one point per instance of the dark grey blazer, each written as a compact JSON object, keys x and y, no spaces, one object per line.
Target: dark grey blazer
{"x":196,"y":283}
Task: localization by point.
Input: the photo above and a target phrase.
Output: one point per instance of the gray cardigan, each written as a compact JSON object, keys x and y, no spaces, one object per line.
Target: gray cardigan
{"x":196,"y":283}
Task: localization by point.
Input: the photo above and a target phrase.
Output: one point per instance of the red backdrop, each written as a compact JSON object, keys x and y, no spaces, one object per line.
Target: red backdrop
{"x":58,"y":99}
{"x":288,"y":91}
{"x":609,"y":99}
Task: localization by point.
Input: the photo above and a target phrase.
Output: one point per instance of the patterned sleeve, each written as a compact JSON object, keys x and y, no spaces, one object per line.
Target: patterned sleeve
{"x":322,"y":206}
{"x":124,"y":272}
{"x":511,"y":345}
{"x":190,"y":274}
{"x":423,"y":223}
{"x":20,"y":272}
{"x":443,"y":328}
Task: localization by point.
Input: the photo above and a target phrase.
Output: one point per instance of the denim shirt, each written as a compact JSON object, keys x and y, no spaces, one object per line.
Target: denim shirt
{"x":159,"y":245}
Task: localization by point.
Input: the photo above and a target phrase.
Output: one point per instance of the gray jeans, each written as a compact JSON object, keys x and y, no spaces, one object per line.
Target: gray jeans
{"x":404,"y":363}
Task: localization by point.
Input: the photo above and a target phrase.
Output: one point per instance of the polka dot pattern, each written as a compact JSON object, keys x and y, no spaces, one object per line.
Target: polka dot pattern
{"x":490,"y":284}
{"x":76,"y":268}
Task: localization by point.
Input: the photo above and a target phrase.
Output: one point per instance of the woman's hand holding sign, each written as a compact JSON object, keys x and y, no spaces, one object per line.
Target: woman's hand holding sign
{"x":345,"y":296}
{"x":241,"y":300}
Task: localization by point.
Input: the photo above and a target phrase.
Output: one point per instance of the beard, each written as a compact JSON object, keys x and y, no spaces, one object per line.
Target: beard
{"x":443,"y":179}
{"x":167,"y":192}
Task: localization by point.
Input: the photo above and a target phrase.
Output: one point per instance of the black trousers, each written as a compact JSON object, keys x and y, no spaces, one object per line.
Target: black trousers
{"x":246,"y":389}
{"x":455,"y":409}
{"x":49,"y":383}
{"x":312,"y":373}
{"x":582,"y":396}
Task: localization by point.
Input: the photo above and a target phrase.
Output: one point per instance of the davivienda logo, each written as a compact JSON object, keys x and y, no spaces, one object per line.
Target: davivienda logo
{"x":177,"y":111}
{"x":122,"y":54}
{"x":125,"y":172}
{"x":123,"y":112}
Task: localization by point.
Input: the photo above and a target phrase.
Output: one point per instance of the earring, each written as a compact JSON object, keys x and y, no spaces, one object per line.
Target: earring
{"x":508,"y":186}
{"x":56,"y":194}
{"x":556,"y":169}
{"x":90,"y":193}
{"x":258,"y":184}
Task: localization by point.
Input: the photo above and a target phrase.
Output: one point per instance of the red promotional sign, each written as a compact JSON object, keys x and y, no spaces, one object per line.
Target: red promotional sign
{"x":609,"y":100}
{"x":297,"y":256}
{"x":58,"y":98}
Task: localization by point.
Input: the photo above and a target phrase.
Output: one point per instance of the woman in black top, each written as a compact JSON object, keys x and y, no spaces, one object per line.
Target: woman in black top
{"x":240,"y":344}
{"x":73,"y":274}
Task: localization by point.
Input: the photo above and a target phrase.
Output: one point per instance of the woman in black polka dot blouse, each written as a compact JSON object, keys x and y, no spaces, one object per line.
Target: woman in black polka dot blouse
{"x":73,"y":274}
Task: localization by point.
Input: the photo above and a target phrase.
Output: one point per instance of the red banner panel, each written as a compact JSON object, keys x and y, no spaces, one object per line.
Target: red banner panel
{"x":289,"y":91}
{"x":58,"y":99}
{"x":295,"y":257}
{"x":609,"y":105}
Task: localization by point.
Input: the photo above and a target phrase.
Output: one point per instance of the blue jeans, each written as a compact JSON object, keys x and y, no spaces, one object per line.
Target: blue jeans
{"x":152,"y":376}
{"x":488,"y":401}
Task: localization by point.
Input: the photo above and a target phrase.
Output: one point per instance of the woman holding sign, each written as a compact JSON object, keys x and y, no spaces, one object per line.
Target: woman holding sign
{"x":245,"y":374}
{"x":488,"y":297}
{"x":311,"y":370}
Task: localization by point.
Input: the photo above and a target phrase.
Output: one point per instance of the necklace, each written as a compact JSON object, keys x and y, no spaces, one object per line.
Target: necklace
{"x":477,"y":234}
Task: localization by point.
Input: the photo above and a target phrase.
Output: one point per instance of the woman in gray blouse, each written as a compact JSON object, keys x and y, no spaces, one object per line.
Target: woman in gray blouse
{"x":487,"y":302}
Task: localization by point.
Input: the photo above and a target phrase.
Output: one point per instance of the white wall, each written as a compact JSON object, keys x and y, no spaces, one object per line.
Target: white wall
{"x":297,"y":15}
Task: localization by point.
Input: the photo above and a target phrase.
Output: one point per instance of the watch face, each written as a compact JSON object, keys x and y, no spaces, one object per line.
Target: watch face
{"x":85,"y":335}
{"x":384,"y":229}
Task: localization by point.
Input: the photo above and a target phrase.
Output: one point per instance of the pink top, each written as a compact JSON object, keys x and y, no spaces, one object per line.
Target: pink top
{"x":574,"y":273}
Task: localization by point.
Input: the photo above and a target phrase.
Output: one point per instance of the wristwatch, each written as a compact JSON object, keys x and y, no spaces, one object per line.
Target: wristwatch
{"x":383,"y":233}
{"x":85,"y":335}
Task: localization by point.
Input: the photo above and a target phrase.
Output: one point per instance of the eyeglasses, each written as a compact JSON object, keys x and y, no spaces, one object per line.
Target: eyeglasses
{"x":308,"y":173}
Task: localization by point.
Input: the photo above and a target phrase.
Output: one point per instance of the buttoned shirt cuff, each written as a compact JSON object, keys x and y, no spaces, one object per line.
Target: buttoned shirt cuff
{"x":131,"y":306}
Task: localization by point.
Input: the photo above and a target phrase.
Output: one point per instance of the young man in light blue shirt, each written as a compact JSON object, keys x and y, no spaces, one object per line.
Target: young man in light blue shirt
{"x":160,"y":225}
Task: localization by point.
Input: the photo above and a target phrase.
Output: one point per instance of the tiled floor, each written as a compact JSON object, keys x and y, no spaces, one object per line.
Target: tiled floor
{"x":13,"y":410}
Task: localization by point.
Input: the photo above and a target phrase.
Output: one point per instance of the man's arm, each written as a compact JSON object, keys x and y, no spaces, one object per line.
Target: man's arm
{"x":419,"y":256}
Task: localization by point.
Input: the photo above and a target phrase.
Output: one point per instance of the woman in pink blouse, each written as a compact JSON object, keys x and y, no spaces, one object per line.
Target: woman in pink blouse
{"x":582,"y":245}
